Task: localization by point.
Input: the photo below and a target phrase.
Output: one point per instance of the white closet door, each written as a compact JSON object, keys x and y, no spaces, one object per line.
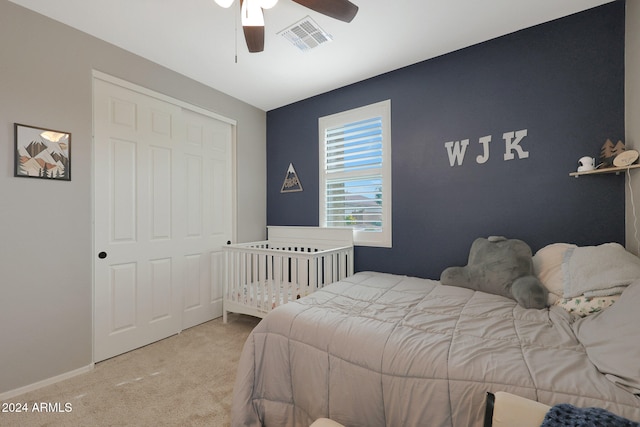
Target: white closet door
{"x":208,"y":201}
{"x":153,"y":223}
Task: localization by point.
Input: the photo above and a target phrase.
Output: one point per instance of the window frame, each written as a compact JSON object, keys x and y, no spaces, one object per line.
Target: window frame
{"x":380,"y":109}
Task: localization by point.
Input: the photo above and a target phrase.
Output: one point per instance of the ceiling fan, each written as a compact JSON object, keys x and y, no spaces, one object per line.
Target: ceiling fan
{"x":253,"y":16}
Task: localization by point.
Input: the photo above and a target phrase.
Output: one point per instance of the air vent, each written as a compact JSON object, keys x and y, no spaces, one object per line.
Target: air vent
{"x":305,"y":34}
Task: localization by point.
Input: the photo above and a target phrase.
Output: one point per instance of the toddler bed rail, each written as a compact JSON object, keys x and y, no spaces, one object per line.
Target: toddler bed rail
{"x":292,"y":263}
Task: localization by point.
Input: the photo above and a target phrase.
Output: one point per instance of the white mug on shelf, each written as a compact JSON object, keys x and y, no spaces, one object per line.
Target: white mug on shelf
{"x":586,"y":163}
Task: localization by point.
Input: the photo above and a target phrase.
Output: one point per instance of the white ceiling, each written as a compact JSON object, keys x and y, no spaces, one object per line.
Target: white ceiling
{"x":199,"y":39}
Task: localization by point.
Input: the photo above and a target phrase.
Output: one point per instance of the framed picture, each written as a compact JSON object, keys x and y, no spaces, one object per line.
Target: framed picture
{"x":291,"y":182}
{"x":42,"y":153}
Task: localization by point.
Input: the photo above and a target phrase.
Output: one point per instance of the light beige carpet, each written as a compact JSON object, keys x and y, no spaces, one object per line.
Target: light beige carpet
{"x":184,"y":380}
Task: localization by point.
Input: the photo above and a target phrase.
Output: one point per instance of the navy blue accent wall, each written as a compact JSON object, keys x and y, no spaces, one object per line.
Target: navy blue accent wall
{"x":562,"y":82}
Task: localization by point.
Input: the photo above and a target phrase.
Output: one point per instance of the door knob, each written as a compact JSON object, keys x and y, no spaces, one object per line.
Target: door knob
{"x":102,"y":255}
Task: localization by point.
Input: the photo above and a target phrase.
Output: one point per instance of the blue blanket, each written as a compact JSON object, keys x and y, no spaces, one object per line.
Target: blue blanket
{"x":566,"y":415}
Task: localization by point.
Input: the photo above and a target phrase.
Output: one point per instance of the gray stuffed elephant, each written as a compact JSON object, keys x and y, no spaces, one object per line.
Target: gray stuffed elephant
{"x":500,"y":266}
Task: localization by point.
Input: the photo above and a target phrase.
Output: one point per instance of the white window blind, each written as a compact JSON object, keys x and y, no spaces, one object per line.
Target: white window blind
{"x":355,"y":169}
{"x":355,"y":201}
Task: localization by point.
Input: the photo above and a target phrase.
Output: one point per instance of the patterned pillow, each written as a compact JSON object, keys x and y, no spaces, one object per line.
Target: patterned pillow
{"x":584,"y":306}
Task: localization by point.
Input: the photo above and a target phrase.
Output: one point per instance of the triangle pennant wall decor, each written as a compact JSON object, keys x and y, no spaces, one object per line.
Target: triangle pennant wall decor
{"x":291,"y":182}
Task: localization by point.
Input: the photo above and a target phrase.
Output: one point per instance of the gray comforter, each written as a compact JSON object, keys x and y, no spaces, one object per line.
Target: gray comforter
{"x":386,"y":350}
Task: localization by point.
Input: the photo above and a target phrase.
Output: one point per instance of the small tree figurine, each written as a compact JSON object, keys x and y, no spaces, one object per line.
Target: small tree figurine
{"x":609,"y":151}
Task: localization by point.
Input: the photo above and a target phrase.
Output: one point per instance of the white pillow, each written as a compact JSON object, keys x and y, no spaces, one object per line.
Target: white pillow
{"x":547,"y":266}
{"x":601,"y":270}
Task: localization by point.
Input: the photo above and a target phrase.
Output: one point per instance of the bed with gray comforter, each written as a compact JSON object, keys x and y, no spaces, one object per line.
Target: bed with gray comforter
{"x":388,"y":350}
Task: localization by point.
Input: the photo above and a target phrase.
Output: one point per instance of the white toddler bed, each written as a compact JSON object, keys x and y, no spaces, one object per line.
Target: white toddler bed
{"x":292,"y":263}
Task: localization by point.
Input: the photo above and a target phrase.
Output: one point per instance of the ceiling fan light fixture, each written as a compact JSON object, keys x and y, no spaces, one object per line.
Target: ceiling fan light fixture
{"x":252,"y":15}
{"x":224,"y":3}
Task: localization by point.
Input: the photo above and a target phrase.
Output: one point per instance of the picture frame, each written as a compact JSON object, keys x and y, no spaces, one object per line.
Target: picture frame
{"x":42,"y":153}
{"x":291,"y":182}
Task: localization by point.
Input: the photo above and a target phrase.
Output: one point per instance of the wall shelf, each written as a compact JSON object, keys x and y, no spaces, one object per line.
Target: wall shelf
{"x":614,"y":169}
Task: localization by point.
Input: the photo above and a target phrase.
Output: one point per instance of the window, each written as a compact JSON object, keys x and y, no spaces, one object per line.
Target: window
{"x":355,"y":173}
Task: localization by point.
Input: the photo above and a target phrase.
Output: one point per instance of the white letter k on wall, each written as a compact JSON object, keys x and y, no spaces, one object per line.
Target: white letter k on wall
{"x":510,"y":145}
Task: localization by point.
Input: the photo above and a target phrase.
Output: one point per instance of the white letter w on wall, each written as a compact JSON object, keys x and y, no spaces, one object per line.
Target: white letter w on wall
{"x":456,"y":150}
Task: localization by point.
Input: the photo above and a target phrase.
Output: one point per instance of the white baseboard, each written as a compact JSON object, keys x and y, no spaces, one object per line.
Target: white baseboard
{"x":26,"y":389}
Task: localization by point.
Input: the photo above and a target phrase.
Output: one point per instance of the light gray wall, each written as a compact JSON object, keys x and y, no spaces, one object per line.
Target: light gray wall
{"x":632,"y":120}
{"x":46,"y":251}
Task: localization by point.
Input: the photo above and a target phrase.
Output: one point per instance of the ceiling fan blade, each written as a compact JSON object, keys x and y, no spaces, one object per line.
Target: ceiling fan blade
{"x":254,"y":36}
{"x":343,"y":10}
{"x":252,"y":25}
